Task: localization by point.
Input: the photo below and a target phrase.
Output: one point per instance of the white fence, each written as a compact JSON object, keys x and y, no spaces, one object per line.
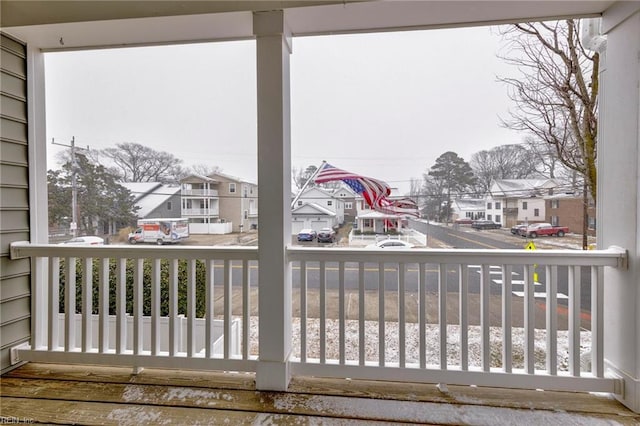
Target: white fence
{"x":387,"y":307}
{"x":408,"y":235}
{"x":211,"y":228}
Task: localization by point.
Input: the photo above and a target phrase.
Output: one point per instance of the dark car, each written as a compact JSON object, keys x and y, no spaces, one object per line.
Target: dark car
{"x":485,"y":224}
{"x":307,"y":235}
{"x":518,"y":229}
{"x":326,"y":235}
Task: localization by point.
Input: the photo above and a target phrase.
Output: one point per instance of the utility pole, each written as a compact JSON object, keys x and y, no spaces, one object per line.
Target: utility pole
{"x":74,"y":184}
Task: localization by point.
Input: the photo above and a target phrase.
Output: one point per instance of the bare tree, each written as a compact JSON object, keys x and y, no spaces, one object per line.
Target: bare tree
{"x":139,"y":163}
{"x":202,"y":169}
{"x":557,"y":95}
{"x":502,"y":162}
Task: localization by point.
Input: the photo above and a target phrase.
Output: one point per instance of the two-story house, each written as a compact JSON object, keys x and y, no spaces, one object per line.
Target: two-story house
{"x":220,"y":198}
{"x":348,"y":196}
{"x":316,"y":208}
{"x":512,"y":201}
{"x":467,"y":208}
{"x":569,"y":210}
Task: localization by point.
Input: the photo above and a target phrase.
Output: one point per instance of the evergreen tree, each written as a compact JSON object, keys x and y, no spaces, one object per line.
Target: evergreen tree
{"x":449,"y":175}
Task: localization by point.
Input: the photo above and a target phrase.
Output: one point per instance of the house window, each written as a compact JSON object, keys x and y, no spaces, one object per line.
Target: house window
{"x":488,"y":217}
{"x":488,"y":206}
{"x":299,"y":203}
{"x":348,"y":205}
{"x":555,"y":220}
{"x":245,"y":191}
{"x":246,"y":214}
{"x":555,"y":204}
{"x":498,"y":218}
{"x":169,"y":205}
{"x":367,"y":223}
{"x":329,"y":203}
{"x":232,"y":188}
{"x":524,"y":205}
{"x":536,"y":212}
{"x":498,"y":207}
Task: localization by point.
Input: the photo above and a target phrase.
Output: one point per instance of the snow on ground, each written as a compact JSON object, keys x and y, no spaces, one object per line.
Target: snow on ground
{"x":432,"y":343}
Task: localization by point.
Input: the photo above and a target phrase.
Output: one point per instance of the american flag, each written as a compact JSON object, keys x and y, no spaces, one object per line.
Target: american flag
{"x":375,"y":192}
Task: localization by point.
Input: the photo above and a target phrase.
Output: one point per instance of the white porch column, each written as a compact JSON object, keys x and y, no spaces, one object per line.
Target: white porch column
{"x":619,"y":194}
{"x":273,"y":47}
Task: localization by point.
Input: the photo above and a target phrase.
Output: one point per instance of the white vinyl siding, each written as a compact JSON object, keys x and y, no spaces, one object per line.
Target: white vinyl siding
{"x":14,"y":199}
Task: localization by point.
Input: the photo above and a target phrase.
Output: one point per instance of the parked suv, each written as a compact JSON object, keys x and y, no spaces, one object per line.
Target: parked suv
{"x":326,"y":235}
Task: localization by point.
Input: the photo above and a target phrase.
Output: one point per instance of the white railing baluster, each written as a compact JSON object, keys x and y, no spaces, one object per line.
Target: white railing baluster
{"x":401,"y":315}
{"x":323,"y":313}
{"x":381,"y":316}
{"x":246,"y":308}
{"x":121,"y":305}
{"x":485,"y":324}
{"x":463,"y":277}
{"x":103,"y":307}
{"x":54,"y":303}
{"x":155,"y":307}
{"x":209,"y":295}
{"x":228,"y":306}
{"x":529,"y":319}
{"x":303,"y":311}
{"x":87,"y":303}
{"x":507,"y":349}
{"x":361,"y":315}
{"x":422,"y":306}
{"x":597,"y":321}
{"x":70,"y":304}
{"x":442,"y":313}
{"x":341,"y":312}
{"x":173,"y":307}
{"x":138,"y":305}
{"x":552,"y":319}
{"x":574,"y":320}
{"x":191,"y":307}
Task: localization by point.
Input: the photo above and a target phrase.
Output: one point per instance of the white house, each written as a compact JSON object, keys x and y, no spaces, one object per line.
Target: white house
{"x":369,"y":220}
{"x":468,"y":208}
{"x":511,"y":201}
{"x":316,"y":208}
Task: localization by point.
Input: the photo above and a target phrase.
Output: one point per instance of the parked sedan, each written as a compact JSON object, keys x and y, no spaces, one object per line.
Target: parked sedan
{"x":307,"y":235}
{"x":84,"y":241}
{"x":391,"y":244}
{"x":485,"y":224}
{"x":326,"y":235}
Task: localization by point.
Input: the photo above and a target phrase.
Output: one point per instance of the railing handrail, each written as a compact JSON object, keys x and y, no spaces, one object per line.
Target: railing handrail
{"x":613,"y":256}
{"x":23,"y":249}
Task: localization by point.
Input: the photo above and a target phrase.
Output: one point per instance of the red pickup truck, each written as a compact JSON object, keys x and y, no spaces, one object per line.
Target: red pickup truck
{"x":538,"y":229}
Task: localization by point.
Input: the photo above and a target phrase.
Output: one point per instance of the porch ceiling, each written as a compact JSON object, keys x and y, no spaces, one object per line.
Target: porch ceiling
{"x":63,"y":24}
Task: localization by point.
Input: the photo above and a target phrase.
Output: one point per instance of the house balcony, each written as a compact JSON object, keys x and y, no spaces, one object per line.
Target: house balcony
{"x":210,"y":193}
{"x":212,"y":212}
{"x":374,"y":317}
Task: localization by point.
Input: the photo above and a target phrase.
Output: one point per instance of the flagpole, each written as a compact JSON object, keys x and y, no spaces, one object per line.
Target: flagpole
{"x":313,"y":176}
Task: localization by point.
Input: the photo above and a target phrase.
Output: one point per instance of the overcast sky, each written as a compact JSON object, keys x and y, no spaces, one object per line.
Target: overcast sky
{"x":385,"y":105}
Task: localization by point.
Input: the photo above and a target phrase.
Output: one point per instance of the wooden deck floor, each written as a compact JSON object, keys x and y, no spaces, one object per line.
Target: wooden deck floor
{"x":67,"y":394}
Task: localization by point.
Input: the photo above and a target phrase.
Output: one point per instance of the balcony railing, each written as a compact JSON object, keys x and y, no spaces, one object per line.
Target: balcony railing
{"x":199,"y":193}
{"x":212,"y":212}
{"x":358,"y":313}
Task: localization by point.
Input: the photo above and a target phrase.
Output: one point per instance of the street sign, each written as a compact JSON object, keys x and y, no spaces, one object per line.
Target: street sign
{"x":530,"y":246}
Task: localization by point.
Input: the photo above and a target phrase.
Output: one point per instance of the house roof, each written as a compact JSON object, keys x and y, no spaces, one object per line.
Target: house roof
{"x":194,"y":177}
{"x":469,"y":204}
{"x":517,"y":188}
{"x":373,"y":214}
{"x":149,"y":195}
{"x":230,"y":177}
{"x":312,"y":209}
